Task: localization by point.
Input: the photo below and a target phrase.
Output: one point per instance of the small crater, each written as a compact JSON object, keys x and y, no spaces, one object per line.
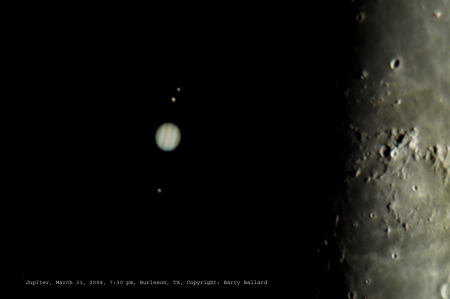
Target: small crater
{"x":372,"y":215}
{"x":437,"y":14}
{"x":398,"y":102}
{"x":351,"y":295}
{"x":394,"y":153}
{"x":394,"y":256}
{"x":395,"y":63}
{"x":355,"y":224}
{"x":385,"y":151}
{"x":414,"y":188}
{"x":360,"y":17}
{"x":367,"y":281}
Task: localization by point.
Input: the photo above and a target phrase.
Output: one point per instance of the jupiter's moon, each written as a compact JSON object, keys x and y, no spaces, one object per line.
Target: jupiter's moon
{"x":168,"y":137}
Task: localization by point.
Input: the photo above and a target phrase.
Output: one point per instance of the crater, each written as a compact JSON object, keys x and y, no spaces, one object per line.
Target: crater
{"x":385,"y":151}
{"x":395,"y":63}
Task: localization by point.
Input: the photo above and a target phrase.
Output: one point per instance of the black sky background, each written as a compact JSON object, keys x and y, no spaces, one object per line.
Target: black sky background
{"x":258,"y":110}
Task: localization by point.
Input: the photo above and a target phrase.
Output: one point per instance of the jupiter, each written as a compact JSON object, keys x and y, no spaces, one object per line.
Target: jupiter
{"x":168,"y":137}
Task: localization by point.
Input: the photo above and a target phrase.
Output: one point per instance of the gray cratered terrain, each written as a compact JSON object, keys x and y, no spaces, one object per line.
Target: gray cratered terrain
{"x":393,"y":220}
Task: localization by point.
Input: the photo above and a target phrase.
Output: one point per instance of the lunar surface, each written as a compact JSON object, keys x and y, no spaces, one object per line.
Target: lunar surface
{"x":392,"y":226}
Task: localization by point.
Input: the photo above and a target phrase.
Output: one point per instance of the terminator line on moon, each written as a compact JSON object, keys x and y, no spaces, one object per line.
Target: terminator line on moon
{"x":393,"y":220}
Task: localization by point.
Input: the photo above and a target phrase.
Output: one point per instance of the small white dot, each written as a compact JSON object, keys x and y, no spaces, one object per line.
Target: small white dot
{"x":178,"y":89}
{"x":173,"y":100}
{"x":159,"y":190}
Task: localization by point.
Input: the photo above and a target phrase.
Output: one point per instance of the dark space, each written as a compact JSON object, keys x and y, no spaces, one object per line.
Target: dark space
{"x":259,"y":114}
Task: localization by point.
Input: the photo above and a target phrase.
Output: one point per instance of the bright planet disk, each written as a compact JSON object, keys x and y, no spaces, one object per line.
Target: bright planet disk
{"x":168,"y":137}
